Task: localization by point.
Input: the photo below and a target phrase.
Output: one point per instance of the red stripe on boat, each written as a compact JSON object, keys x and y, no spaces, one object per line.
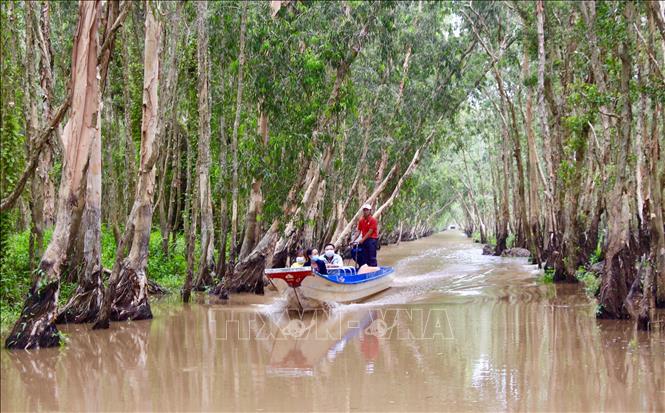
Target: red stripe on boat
{"x":292,"y":276}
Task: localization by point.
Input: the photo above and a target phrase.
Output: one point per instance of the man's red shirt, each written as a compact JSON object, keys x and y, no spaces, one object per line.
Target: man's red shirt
{"x":365,"y":224}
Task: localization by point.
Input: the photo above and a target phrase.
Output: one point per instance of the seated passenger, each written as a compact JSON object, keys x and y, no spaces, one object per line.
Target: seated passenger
{"x":313,"y":260}
{"x":330,"y":258}
{"x":300,"y":259}
{"x":308,"y":258}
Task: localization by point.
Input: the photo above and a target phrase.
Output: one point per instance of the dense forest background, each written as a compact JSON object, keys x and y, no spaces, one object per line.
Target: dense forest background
{"x":189,"y":145}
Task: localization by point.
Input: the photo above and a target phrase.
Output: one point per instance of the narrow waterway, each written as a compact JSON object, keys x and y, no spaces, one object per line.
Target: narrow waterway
{"x":457,"y":331}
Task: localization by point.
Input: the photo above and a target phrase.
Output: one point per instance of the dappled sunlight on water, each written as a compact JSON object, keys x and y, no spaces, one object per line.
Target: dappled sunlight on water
{"x":457,"y":331}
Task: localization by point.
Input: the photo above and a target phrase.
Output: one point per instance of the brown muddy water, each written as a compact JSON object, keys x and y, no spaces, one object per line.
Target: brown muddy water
{"x":458,"y":331}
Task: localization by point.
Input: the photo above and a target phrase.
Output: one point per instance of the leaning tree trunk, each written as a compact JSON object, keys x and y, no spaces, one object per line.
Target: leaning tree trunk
{"x":207,"y":260}
{"x":247,"y":275}
{"x":35,"y":327}
{"x":127,"y":295}
{"x":313,"y":176}
{"x":408,"y":172}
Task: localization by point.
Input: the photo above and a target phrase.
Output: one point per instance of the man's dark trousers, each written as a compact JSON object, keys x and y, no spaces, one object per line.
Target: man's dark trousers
{"x":368,"y":253}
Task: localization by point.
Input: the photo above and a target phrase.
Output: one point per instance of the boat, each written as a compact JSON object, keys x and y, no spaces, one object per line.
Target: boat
{"x":341,"y":285}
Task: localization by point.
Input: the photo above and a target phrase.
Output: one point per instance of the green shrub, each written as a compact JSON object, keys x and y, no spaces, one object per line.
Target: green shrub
{"x":597,"y":255}
{"x":548,"y":276}
{"x":15,"y":277}
{"x":590,"y":280}
{"x":167,"y":270}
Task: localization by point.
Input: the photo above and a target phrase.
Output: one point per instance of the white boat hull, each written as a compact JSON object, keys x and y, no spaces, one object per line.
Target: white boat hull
{"x":319,"y":289}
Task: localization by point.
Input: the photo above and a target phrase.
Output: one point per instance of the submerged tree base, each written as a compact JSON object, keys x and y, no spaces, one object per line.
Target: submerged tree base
{"x":247,"y":276}
{"x":84,"y":306}
{"x":130,"y":300}
{"x":36,"y":328}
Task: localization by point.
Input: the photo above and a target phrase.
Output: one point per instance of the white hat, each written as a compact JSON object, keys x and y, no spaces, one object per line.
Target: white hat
{"x":367,"y":206}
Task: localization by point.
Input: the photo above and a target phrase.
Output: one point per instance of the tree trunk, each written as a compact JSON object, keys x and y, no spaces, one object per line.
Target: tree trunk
{"x":35,"y":327}
{"x":173,"y":192}
{"x":657,"y":227}
{"x":533,"y":220}
{"x":191,"y":212}
{"x":38,"y":185}
{"x":167,"y":131}
{"x":112,"y":212}
{"x":572,"y":246}
{"x":84,"y":305}
{"x":502,"y":235}
{"x":223,"y":199}
{"x":47,"y":85}
{"x":207,"y":259}
{"x":550,"y":226}
{"x":234,"y":138}
{"x":656,"y":174}
{"x":127,"y":295}
{"x":247,"y":275}
{"x":346,"y":232}
{"x":619,"y":270}
{"x":342,"y":207}
{"x":43,"y":191}
{"x":130,"y":156}
{"x":255,"y":196}
{"x":658,"y":15}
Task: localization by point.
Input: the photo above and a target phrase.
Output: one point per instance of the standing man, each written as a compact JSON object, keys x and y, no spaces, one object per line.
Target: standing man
{"x":369,"y":234}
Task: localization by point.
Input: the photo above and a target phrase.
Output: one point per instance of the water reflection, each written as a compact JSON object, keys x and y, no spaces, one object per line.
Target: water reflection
{"x":455,"y":334}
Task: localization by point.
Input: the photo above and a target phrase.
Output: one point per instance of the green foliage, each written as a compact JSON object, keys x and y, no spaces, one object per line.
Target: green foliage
{"x":167,"y":270}
{"x":590,"y":280}
{"x":548,"y":276}
{"x":15,"y":277}
{"x":597,"y":255}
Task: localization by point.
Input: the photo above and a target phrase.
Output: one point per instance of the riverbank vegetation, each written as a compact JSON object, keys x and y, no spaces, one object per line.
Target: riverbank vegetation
{"x":193,"y":144}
